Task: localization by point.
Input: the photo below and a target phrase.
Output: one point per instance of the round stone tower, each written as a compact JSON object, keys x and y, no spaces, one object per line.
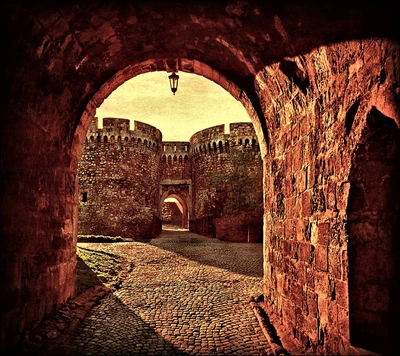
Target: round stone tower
{"x":119,"y":179}
{"x":227,"y":183}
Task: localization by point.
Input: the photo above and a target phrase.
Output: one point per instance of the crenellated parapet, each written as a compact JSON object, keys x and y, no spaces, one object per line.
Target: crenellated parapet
{"x":175,"y":162}
{"x":117,"y":131}
{"x":119,"y":178}
{"x":214,"y":139}
{"x":226,"y":173}
{"x":175,"y":152}
{"x":242,"y":131}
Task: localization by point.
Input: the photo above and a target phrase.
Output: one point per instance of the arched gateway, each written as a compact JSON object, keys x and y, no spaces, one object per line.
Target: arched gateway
{"x":182,"y":206}
{"x":308,"y":74}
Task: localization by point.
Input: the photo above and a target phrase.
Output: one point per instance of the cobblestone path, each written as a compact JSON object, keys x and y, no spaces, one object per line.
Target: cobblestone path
{"x":186,"y":295}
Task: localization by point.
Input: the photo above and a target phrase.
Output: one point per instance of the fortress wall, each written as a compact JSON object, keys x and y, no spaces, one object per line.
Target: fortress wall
{"x":175,"y":162}
{"x":121,"y":171}
{"x":118,"y":180}
{"x":227,"y":182}
{"x":330,"y":183}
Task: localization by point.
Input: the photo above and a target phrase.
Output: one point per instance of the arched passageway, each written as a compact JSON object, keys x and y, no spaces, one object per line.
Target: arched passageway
{"x":297,"y":78}
{"x":174,"y":211}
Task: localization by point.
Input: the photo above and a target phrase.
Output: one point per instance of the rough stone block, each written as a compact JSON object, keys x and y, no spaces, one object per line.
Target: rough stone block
{"x":342,"y":195}
{"x":306,"y":203}
{"x":288,"y":314}
{"x":323,"y":309}
{"x":301,"y":229}
{"x":289,"y":188}
{"x":343,"y":322}
{"x":323,"y":233}
{"x":321,"y":257}
{"x":297,"y":157}
{"x":322,"y":287}
{"x":305,"y":127}
{"x":304,"y":251}
{"x":342,"y":294}
{"x":301,"y":181}
{"x":311,"y":329}
{"x":331,"y":195}
{"x":289,"y":162}
{"x":334,"y":262}
{"x":297,"y":293}
{"x":312,"y":300}
{"x":280,"y":285}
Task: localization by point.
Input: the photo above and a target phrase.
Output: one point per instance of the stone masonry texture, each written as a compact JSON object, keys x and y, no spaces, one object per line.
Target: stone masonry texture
{"x":119,"y":179}
{"x":320,"y":244}
{"x":320,"y":82}
{"x":227,"y":182}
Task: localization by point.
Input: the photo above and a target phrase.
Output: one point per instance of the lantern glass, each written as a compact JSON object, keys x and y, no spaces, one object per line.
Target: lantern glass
{"x":173,"y":82}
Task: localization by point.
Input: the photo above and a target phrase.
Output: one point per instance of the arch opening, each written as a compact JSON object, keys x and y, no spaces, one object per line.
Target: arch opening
{"x":184,"y":65}
{"x":174,"y":213}
{"x":171,"y":159}
{"x":76,"y":67}
{"x":373,"y":223}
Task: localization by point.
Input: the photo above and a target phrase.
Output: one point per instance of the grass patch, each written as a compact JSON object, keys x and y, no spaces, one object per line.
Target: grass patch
{"x":99,"y":238}
{"x":96,"y":268}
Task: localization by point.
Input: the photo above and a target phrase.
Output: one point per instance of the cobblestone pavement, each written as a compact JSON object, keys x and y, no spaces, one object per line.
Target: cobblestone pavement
{"x":186,"y":295}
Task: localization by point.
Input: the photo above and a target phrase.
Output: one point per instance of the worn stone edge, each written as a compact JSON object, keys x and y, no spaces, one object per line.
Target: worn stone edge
{"x":275,"y":344}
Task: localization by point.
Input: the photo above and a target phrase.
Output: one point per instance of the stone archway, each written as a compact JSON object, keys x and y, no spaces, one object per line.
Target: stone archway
{"x":58,"y":58}
{"x":182,"y":64}
{"x":183,"y":207}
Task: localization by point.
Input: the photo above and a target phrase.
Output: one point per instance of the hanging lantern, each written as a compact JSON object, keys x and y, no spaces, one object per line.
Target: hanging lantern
{"x":173,"y":82}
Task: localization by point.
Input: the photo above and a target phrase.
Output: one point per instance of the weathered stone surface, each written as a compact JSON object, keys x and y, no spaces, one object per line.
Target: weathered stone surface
{"x":119,"y":179}
{"x":227,"y":181}
{"x":342,"y":172}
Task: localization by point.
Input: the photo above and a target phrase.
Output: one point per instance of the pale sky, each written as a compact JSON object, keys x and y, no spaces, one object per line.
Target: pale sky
{"x":199,"y":103}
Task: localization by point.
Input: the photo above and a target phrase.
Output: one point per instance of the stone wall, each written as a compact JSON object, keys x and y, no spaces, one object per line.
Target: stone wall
{"x":203,"y":226}
{"x":171,"y":215}
{"x":227,"y":178}
{"x":175,"y":162}
{"x":317,"y":237}
{"x":119,"y":179}
{"x":241,"y":229}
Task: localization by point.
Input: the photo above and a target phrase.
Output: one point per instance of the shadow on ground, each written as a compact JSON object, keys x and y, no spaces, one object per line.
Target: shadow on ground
{"x":63,"y":332}
{"x":109,"y":332}
{"x":213,"y":252}
{"x":99,"y":267}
